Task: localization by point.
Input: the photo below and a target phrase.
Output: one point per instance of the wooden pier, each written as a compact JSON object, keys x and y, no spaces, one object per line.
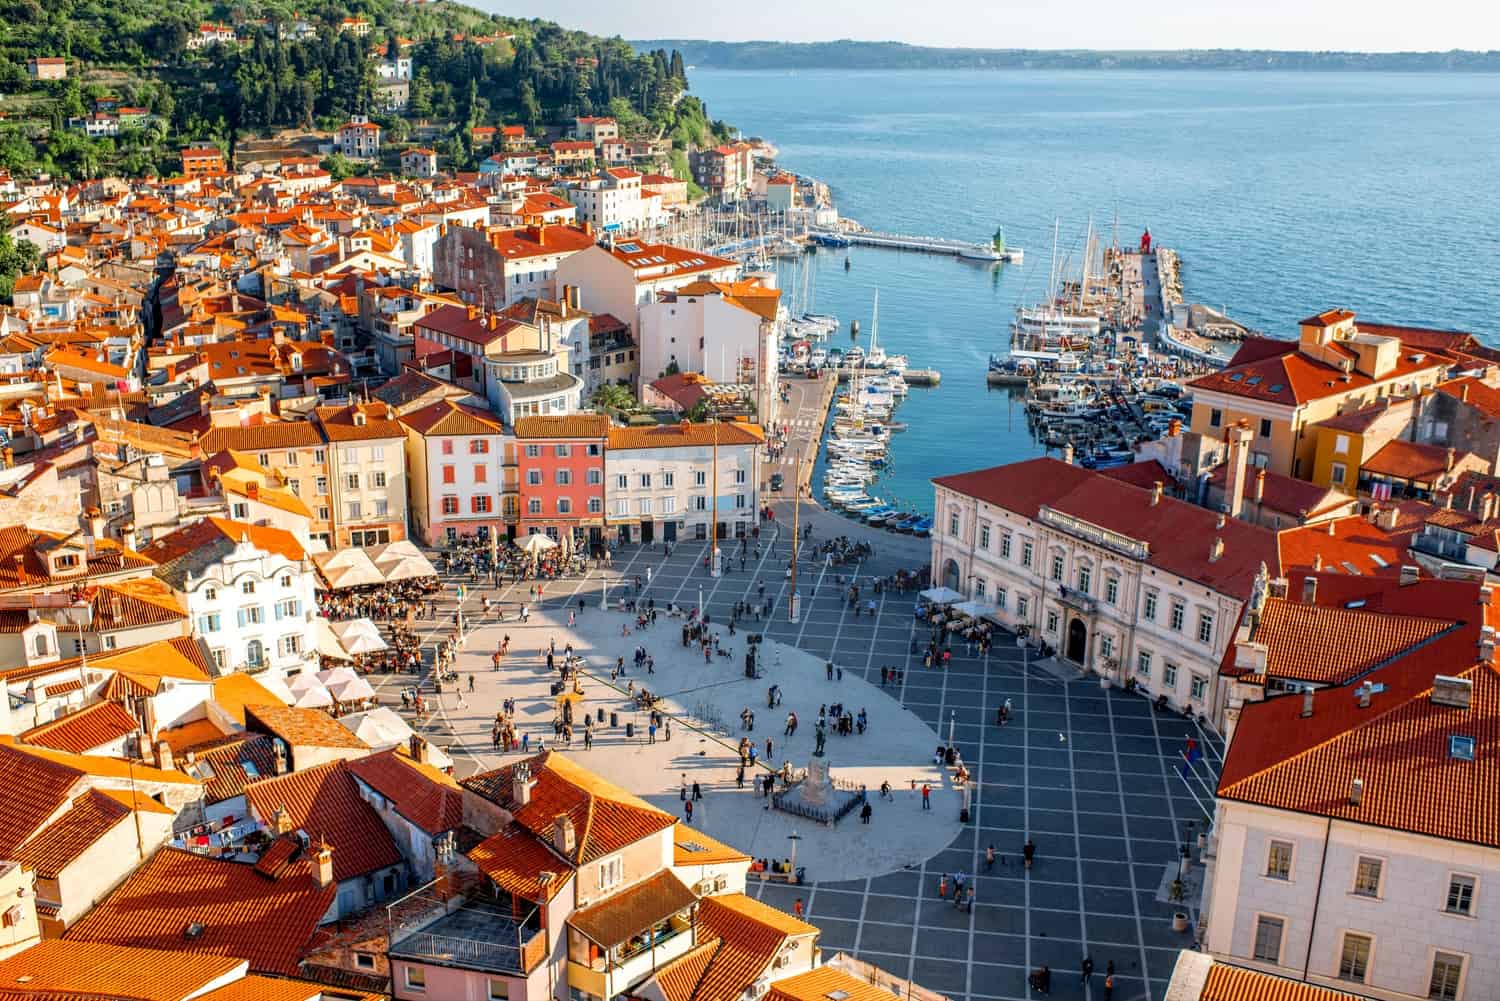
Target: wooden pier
{"x":921,"y":244}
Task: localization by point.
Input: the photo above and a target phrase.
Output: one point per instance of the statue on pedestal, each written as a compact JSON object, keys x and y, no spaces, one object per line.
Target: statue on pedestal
{"x":822,"y":738}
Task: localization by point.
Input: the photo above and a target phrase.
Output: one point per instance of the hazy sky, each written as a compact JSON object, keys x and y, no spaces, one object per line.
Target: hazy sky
{"x":1384,"y":25}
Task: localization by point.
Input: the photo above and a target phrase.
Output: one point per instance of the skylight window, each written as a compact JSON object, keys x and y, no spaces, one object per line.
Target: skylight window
{"x":1254,"y":380}
{"x":1375,"y":559}
{"x":1460,"y":748}
{"x":1236,"y":377}
{"x":1350,"y":567}
{"x":1277,"y":388}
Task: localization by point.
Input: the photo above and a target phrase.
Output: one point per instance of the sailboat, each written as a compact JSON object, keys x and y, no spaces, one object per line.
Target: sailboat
{"x":1046,"y":330}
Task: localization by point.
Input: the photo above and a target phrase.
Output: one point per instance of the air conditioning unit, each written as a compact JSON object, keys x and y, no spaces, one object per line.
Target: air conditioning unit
{"x":703,"y":887}
{"x":781,"y":962}
{"x":757,"y":989}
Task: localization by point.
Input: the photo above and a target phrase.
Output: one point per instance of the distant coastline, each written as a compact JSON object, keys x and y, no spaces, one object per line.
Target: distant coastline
{"x":854,"y":55}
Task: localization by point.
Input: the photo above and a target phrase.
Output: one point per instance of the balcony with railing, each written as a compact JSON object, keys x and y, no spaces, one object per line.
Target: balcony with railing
{"x":475,"y":935}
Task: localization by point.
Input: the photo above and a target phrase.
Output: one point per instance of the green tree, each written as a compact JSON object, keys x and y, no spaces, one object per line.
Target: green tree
{"x":614,"y":397}
{"x":338,"y":166}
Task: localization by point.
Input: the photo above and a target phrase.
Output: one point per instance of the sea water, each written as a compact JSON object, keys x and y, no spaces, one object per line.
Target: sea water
{"x":1285,"y":193}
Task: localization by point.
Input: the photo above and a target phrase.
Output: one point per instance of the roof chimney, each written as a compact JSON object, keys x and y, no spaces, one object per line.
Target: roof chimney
{"x":323,"y":865}
{"x":1448,"y":460}
{"x":1317,"y":561}
{"x":1487,"y":644}
{"x":1332,"y":527}
{"x":1463,"y":393}
{"x":1364,"y":692}
{"x":1216,"y":550}
{"x":521,"y":784}
{"x":1410,"y":574}
{"x":1174,"y":427}
{"x":1356,"y":791}
{"x":1455,"y":693}
{"x":279,"y":748}
{"x":471,"y":311}
{"x":1260,"y":485}
{"x":420,"y":750}
{"x":1067,"y":453}
{"x":1309,"y":589}
{"x":164,"y":755}
{"x":1307,"y":703}
{"x":1155,"y":493}
{"x":281,"y":821}
{"x":564,"y":838}
{"x":1220,"y":522}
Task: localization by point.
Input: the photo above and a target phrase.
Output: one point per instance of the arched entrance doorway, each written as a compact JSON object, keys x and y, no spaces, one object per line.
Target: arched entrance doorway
{"x":950,"y":574}
{"x":1078,"y":641}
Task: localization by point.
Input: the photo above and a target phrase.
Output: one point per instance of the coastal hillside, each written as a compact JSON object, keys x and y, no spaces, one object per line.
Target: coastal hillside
{"x":858,"y":55}
{"x":168,"y":72}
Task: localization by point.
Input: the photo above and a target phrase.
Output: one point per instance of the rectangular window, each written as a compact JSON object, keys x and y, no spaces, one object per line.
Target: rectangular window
{"x":1169,"y":676}
{"x":700,"y":503}
{"x":669,"y":505}
{"x":645,"y":481}
{"x":611,"y":871}
{"x":1205,"y":627}
{"x":534,"y":477}
{"x":1057,"y":567}
{"x":667,"y":479}
{"x":1106,"y":645}
{"x":1279,"y":860}
{"x":351,"y":481}
{"x":1338,"y":473}
{"x":450,"y":504}
{"x":240,"y":512}
{"x":1341,"y":444}
{"x":622,"y":508}
{"x":377,"y":479}
{"x":1051,"y":622}
{"x":1023,"y":604}
{"x":291,"y":644}
{"x":953,"y":524}
{"x":533,"y":451}
{"x":534,"y":506}
{"x":1447,"y":973}
{"x":564,"y":506}
{"x":447,"y":446}
{"x":291,"y":458}
{"x":739,"y":476}
{"x":1179,"y":613}
{"x":1460,"y":895}
{"x":622,"y":482}
{"x":479,"y":446}
{"x":1085,"y":579}
{"x":416,"y":978}
{"x":322,"y":485}
{"x":643,"y":506}
{"x":351,"y":455}
{"x":480,"y":474}
{"x":1215,"y":418}
{"x":480,"y":503}
{"x":984,"y":537}
{"x":1268,"y":939}
{"x":1367,"y":877}
{"x":319,"y":455}
{"x":377,"y":453}
{"x":208,"y":623}
{"x":248,"y":587}
{"x":561,"y":451}
{"x":1026,"y":554}
{"x":1000,"y":598}
{"x":353,"y":511}
{"x":1143,"y":663}
{"x":1198,"y":687}
{"x":1354,"y":957}
{"x":596,"y":478}
{"x":596,"y":506}
{"x":499,"y":989}
{"x":264,"y":458}
{"x":1265,"y":427}
{"x":1111,"y":589}
{"x":699,"y":478}
{"x":564,"y":477}
{"x":450,"y":474}
{"x":1005,"y":546}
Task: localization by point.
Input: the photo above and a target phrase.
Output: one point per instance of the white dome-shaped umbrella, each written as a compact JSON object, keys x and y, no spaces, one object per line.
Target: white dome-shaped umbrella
{"x":352,"y":690}
{"x":337,"y":676}
{"x":537,"y":544}
{"x":315,"y":697}
{"x":299,"y":683}
{"x":359,"y":636}
{"x":276,"y":686}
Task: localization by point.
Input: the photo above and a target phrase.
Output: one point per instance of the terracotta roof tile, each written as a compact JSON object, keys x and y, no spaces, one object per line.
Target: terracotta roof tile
{"x":816,"y":985}
{"x":31,"y":568}
{"x":522,"y":864}
{"x":99,"y":969}
{"x":751,"y":934}
{"x":302,"y":726}
{"x":1231,"y":983}
{"x":263,"y":437}
{"x":233,"y":764}
{"x":570,"y":426}
{"x":427,"y":798}
{"x":242,"y":913}
{"x":1315,"y":643}
{"x":79,"y":732}
{"x":691,"y":846}
{"x":235,"y":691}
{"x":686,"y":434}
{"x":605,"y":817}
{"x":1409,"y":460}
{"x":1345,"y":545}
{"x":134,"y":603}
{"x":325,"y":802}
{"x":448,"y":418}
{"x":59,"y":844}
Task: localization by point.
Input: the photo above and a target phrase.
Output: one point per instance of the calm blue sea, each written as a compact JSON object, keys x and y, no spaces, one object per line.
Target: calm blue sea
{"x":1285,"y":193}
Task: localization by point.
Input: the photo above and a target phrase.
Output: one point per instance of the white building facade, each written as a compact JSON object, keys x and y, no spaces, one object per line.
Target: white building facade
{"x":1098,"y":594}
{"x":253,"y":609}
{"x":727,"y":331}
{"x":658,"y":480}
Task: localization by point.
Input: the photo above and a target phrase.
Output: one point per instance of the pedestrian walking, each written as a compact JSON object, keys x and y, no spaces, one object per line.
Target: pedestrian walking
{"x":651,"y":734}
{"x":797,"y":908}
{"x":926,"y":796}
{"x":770,"y":750}
{"x":697,"y":792}
{"x":739,"y":777}
{"x":943,"y":887}
{"x":687,"y":811}
{"x":1086,"y":969}
{"x":1028,"y":852}
{"x":989,"y":857}
{"x":969,"y":902}
{"x":1109,"y":987}
{"x":864,"y":814}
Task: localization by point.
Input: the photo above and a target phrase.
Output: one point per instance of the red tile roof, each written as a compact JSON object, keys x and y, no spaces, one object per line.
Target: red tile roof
{"x":448,"y":418}
{"x":1345,"y":545}
{"x":522,"y":864}
{"x":1474,"y":392}
{"x":325,"y":802}
{"x":427,"y":798}
{"x":1399,"y":744}
{"x":1231,"y":983}
{"x":686,"y":434}
{"x":307,"y":727}
{"x":241,"y":912}
{"x":79,"y":732}
{"x":31,"y":568}
{"x":1408,"y":460}
{"x":1178,"y":534}
{"x":36,"y":789}
{"x":1290,"y":496}
{"x":1290,"y":378}
{"x":235,"y":763}
{"x":605,"y":817}
{"x":56,"y":968}
{"x":60,"y":843}
{"x":594,"y":426}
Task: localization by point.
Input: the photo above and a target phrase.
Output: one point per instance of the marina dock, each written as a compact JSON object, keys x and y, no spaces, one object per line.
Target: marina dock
{"x":913,"y":376}
{"x":921,"y":244}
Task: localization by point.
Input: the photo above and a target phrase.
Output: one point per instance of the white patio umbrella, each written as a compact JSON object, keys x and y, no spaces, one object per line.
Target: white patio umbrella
{"x":942,"y":595}
{"x":405,"y":568}
{"x":337,"y":676}
{"x":359,"y":636}
{"x":383,"y":728}
{"x":352,"y":690}
{"x":325,"y":642}
{"x":976,"y":609}
{"x":537,"y":544}
{"x":314,"y":698}
{"x":304,"y":682}
{"x":277,"y":687}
